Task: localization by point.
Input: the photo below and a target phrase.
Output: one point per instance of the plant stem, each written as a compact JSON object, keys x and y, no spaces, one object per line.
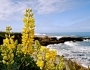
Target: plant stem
{"x":9,"y":68}
{"x":22,"y":62}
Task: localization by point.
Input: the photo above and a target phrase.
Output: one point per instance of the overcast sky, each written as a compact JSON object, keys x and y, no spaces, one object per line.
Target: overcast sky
{"x":50,"y":15}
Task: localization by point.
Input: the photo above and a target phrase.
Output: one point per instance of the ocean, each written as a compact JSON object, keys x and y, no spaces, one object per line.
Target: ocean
{"x":76,"y":51}
{"x":77,"y":34}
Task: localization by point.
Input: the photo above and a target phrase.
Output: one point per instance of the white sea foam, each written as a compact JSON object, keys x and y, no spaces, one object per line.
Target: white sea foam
{"x":70,"y":43}
{"x":40,"y":34}
{"x":58,"y":37}
{"x":87,"y":40}
{"x":74,"y":50}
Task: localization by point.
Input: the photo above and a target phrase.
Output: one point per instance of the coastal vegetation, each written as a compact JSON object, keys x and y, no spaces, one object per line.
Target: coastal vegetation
{"x":21,"y":51}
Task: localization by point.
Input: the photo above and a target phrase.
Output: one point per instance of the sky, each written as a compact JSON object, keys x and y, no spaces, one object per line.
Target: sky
{"x":51,"y":16}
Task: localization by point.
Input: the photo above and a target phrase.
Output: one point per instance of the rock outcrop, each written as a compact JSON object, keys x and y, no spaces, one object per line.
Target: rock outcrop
{"x":46,"y":40}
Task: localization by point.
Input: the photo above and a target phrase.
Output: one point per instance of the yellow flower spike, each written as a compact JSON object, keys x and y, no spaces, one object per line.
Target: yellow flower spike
{"x":7,"y":47}
{"x":28,"y":31}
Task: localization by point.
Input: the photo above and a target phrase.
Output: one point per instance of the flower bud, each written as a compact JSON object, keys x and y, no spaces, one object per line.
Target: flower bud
{"x":4,"y":57}
{"x":30,"y":10}
{"x":4,"y":62}
{"x":27,"y":10}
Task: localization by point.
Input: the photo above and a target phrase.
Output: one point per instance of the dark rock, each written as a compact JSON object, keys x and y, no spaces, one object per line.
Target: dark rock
{"x":71,"y":39}
{"x":45,"y":40}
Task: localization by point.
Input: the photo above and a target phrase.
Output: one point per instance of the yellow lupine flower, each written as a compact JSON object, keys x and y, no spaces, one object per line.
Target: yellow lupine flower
{"x":8,"y":46}
{"x":26,"y":24}
{"x":31,"y":14}
{"x":12,"y":55}
{"x":4,"y":62}
{"x":30,"y":10}
{"x":42,"y":48}
{"x":31,"y":25}
{"x":31,"y":40}
{"x":12,"y":62}
{"x":11,"y":41}
{"x":12,"y":37}
{"x":29,"y":50}
{"x":32,"y":31}
{"x":28,"y":30}
{"x":50,"y":65}
{"x":6,"y":41}
{"x":24,"y":30}
{"x":31,"y":20}
{"x":24,"y":20}
{"x":5,"y":57}
{"x":39,"y":57}
{"x":40,"y":64}
{"x":48,"y":56}
{"x":24,"y":50}
{"x":11,"y":46}
{"x":26,"y":14}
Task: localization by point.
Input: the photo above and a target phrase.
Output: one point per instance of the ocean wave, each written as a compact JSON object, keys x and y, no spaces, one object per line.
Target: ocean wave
{"x":75,"y":51}
{"x":70,"y":43}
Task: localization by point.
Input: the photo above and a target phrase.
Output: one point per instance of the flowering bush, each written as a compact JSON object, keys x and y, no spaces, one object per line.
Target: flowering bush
{"x":29,"y":55}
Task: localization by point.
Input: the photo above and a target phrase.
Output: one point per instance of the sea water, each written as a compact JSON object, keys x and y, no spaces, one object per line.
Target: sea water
{"x":76,"y":51}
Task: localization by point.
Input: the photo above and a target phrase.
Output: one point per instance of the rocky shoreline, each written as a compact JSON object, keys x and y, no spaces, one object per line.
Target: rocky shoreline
{"x":46,"y":40}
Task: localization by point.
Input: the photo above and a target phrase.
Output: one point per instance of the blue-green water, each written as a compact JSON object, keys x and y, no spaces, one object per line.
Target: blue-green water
{"x":78,"y":34}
